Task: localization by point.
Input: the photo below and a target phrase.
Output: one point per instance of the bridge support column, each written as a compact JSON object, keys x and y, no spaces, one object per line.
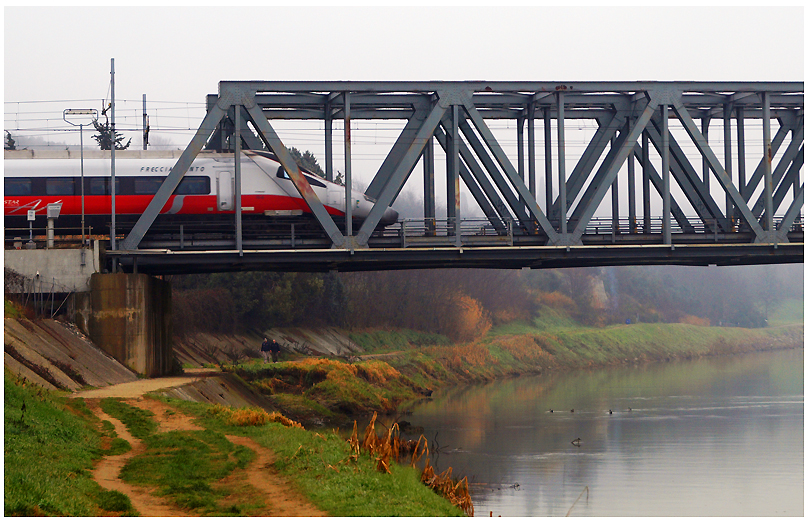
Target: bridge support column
{"x":131,"y":321}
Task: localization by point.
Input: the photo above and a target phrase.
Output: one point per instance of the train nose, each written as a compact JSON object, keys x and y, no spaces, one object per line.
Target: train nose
{"x":389,"y":217}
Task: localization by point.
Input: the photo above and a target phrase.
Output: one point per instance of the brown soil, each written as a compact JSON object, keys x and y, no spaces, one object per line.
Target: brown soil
{"x":264,"y":485}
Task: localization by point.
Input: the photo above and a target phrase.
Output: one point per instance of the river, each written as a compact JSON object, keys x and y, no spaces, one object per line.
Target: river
{"x":712,"y":437}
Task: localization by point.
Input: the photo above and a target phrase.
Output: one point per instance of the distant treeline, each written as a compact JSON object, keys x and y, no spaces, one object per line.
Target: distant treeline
{"x":464,"y":303}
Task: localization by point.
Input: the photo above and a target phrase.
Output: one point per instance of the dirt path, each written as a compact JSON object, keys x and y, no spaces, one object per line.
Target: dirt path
{"x":281,"y":498}
{"x":107,"y":473}
{"x":278,"y":495}
{"x":137,"y":388}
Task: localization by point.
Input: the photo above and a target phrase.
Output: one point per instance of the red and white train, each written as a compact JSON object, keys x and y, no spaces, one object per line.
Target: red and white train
{"x":206,"y":193}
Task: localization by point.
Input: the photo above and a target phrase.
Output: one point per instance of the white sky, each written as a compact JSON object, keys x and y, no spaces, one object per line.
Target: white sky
{"x":59,"y":57}
{"x":180,"y":54}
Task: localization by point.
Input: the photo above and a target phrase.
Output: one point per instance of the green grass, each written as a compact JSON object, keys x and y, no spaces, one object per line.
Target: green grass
{"x":384,"y":341}
{"x":12,"y":310}
{"x":320,"y":465}
{"x":184,"y":466}
{"x":49,"y":451}
{"x":788,"y":312}
{"x":139,"y":422}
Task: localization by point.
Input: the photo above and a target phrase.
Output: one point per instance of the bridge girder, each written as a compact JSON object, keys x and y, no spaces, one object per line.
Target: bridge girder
{"x":455,"y":113}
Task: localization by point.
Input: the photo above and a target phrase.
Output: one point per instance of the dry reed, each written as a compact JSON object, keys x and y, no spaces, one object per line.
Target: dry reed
{"x":390,"y":447}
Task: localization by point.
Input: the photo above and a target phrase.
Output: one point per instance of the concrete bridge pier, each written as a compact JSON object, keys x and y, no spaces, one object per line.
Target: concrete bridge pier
{"x":131,"y":320}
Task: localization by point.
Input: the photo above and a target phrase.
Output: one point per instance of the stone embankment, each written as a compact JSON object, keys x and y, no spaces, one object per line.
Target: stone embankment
{"x":57,"y":355}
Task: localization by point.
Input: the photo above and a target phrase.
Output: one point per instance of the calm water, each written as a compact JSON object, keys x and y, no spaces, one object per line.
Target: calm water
{"x":716,"y":437}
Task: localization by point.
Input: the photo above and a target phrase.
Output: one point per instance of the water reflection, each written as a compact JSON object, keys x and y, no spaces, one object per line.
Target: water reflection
{"x":717,"y":437}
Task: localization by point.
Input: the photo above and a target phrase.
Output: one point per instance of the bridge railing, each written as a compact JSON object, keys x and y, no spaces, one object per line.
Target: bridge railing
{"x":411,"y":232}
{"x":424,"y":232}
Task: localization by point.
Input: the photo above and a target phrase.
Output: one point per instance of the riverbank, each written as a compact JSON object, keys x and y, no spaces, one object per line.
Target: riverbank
{"x":396,"y":367}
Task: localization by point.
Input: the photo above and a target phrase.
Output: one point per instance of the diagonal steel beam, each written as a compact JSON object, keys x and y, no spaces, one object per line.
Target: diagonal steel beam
{"x":788,"y":157}
{"x":396,"y":154}
{"x":478,"y":173}
{"x":793,"y":212}
{"x":655,"y":179}
{"x":786,"y":183}
{"x":718,"y":170}
{"x":600,"y":174}
{"x":687,"y":178}
{"x":778,"y":139}
{"x":510,"y":172}
{"x":491,"y":168}
{"x":273,"y":142}
{"x":625,"y":148}
{"x":212,"y":119}
{"x":594,"y":150}
{"x":471,"y":181}
{"x":403,"y":170}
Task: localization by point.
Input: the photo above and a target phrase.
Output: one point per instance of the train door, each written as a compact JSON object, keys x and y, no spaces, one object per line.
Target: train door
{"x":336,"y":196}
{"x":225,"y":190}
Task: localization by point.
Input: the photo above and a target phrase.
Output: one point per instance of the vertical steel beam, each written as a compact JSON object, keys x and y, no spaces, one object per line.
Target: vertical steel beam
{"x":739,"y":118}
{"x":348,"y":196}
{"x":237,"y":153}
{"x":429,"y":187}
{"x":615,"y":190}
{"x":767,"y":162}
{"x":666,"y":179}
{"x":632,"y":191}
{"x":520,"y":148}
{"x":548,"y":161}
{"x":797,"y":177}
{"x":729,"y":212}
{"x":646,"y":182}
{"x":329,"y":141}
{"x":454,"y":173}
{"x":705,"y":166}
{"x":531,"y":148}
{"x":562,"y":175}
{"x":211,"y":120}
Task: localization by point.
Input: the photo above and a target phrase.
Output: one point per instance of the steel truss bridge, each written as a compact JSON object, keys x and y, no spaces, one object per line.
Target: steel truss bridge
{"x":712,"y":211}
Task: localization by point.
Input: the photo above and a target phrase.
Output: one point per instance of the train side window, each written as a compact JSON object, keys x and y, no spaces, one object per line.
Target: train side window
{"x":59,"y":186}
{"x":98,"y":186}
{"x":193,"y":185}
{"x":314,"y":182}
{"x":17,"y":186}
{"x":147,"y":185}
{"x":281,"y":173}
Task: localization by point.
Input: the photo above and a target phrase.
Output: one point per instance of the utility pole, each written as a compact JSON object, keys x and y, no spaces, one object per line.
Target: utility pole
{"x":145,"y":125}
{"x":112,"y":155}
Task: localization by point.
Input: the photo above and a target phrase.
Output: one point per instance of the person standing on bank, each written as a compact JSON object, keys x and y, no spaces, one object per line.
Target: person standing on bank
{"x":265,"y":347}
{"x":275,"y":349}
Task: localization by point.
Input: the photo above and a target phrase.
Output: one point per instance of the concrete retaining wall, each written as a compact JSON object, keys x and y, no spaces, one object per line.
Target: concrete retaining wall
{"x":131,"y":320}
{"x":59,"y":269}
